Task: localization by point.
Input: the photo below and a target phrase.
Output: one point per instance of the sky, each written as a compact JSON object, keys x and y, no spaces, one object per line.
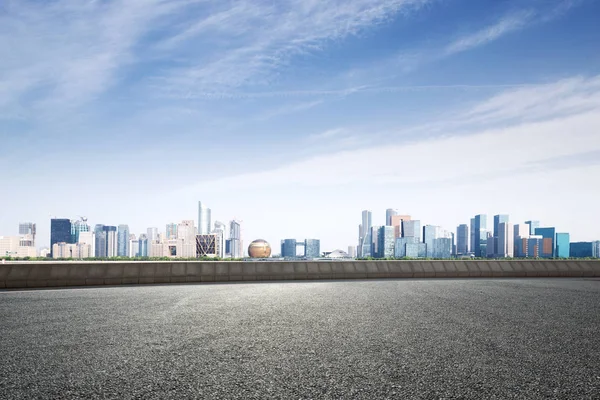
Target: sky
{"x":294,"y":116}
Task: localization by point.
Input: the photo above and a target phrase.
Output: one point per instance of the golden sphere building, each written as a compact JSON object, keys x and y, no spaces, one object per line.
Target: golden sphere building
{"x":259,"y":249}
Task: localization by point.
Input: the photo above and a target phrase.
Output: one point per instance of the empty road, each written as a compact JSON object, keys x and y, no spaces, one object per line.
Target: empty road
{"x":478,"y":338}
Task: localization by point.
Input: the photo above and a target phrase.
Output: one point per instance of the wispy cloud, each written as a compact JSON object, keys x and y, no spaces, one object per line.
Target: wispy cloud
{"x":505,"y":25}
{"x":287,"y":28}
{"x":525,"y":142}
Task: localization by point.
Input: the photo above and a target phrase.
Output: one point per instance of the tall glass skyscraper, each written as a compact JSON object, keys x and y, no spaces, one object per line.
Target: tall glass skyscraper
{"x":60,"y":232}
{"x":462,"y":239}
{"x":386,"y":237}
{"x":498,"y":219}
{"x":412,"y":228}
{"x":364,"y":245}
{"x":480,"y":234}
{"x":204,"y":222}
{"x":143,"y":246}
{"x":100,"y":236}
{"x":123,"y":241}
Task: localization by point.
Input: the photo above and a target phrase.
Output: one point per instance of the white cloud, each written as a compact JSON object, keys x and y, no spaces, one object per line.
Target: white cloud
{"x":490,"y":33}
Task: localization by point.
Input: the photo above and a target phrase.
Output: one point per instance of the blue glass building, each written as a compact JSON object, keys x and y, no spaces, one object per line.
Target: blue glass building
{"x":60,"y":232}
{"x":123,"y":241}
{"x":548,"y":234}
{"x":563,"y":249}
{"x":312,"y":248}
{"x":386,"y":242}
{"x":480,"y":235}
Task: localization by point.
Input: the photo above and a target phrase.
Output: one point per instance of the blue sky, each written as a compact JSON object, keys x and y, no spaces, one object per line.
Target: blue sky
{"x":293,"y":116}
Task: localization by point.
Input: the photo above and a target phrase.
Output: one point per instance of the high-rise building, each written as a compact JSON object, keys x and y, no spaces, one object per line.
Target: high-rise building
{"x":389,"y":213}
{"x":171,"y":231}
{"x":288,"y":248}
{"x":563,"y":245}
{"x":498,"y":219}
{"x":431,"y":232}
{"x":397,"y":224}
{"x":123,"y":241}
{"x":441,"y":247}
{"x":364,"y":235}
{"x":480,"y":235}
{"x":533,"y":225}
{"x":235,"y":240}
{"x":386,"y":242}
{"x":152,"y":234}
{"x":28,"y":228}
{"x":204,"y":221}
{"x":352,"y":251}
{"x":584,"y":249}
{"x":100,"y":235}
{"x":78,"y":227}
{"x":60,"y":231}
{"x":111,"y":241}
{"x":462,"y":239}
{"x":143,"y":246}
{"x":505,"y":240}
{"x":472,"y":236}
{"x":312,"y":248}
{"x":412,"y":228}
{"x":374,"y":240}
{"x":548,"y":249}
{"x":186,"y":231}
{"x":134,"y":246}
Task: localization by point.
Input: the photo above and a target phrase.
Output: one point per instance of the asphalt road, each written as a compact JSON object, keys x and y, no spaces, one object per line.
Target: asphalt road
{"x":505,"y":338}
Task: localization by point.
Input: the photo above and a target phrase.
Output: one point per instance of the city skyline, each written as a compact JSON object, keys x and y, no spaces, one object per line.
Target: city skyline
{"x":292,"y":115}
{"x":502,"y":239}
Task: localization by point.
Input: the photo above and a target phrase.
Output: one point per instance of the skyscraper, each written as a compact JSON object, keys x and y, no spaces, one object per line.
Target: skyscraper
{"x":389,"y":213}
{"x":397,"y":224}
{"x":364,"y":245}
{"x":505,"y":240}
{"x":386,"y":242}
{"x":374,"y":234}
{"x":235,"y":239}
{"x":430,"y":232}
{"x":472,"y":236}
{"x":480,"y":235}
{"x":152,"y":235}
{"x":220,"y":230}
{"x":498,"y":219}
{"x":312,"y":248}
{"x":123,"y":241}
{"x":204,"y":222}
{"x":288,"y":248}
{"x":462,"y":239}
{"x":563,"y":245}
{"x":60,"y":231}
{"x":143,"y":246}
{"x":412,"y":228}
{"x":100,"y":237}
{"x":548,"y":249}
{"x":111,"y":240}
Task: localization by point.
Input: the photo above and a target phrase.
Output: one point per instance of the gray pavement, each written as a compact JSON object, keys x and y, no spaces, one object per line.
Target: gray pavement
{"x":504,"y":338}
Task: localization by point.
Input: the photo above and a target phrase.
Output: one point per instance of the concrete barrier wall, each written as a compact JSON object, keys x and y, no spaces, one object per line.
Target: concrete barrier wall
{"x":49,"y":274}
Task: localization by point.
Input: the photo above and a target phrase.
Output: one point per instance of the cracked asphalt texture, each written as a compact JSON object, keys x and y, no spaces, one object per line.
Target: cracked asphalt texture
{"x":503,"y":338}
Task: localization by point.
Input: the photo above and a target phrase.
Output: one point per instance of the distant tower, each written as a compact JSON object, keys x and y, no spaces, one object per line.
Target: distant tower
{"x":123,"y":241}
{"x":389,"y":213}
{"x":462,"y":239}
{"x":204,"y":222}
{"x":60,"y":231}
